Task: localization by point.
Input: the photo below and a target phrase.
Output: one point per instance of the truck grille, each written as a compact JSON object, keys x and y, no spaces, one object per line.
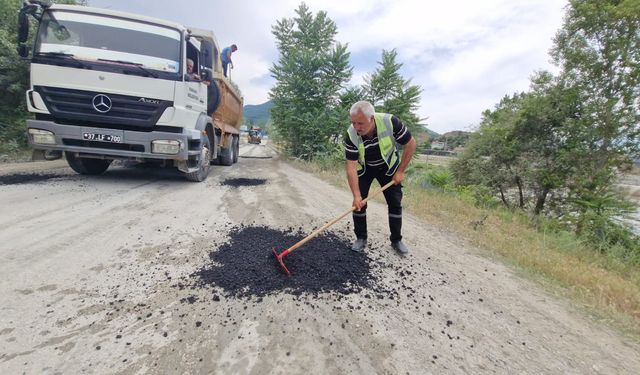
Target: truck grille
{"x":111,"y":146}
{"x":89,"y":107}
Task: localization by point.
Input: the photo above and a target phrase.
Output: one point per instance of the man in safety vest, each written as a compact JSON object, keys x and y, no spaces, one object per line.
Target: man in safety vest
{"x":371,"y":148}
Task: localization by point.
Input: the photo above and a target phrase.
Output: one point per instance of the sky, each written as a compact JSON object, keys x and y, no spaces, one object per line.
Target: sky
{"x":465,"y":54}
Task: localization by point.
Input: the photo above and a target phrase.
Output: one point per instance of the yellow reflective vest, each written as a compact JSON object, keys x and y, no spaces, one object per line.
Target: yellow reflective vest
{"x":386,"y":142}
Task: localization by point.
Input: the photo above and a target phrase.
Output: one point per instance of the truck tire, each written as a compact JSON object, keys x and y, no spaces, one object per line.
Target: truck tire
{"x":236,"y":148}
{"x":216,"y":147}
{"x":213,"y":97}
{"x":227,"y":154}
{"x":204,"y":162}
{"x":87,"y":165}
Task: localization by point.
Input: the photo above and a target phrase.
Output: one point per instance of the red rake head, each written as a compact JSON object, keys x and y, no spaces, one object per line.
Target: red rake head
{"x":279,"y":257}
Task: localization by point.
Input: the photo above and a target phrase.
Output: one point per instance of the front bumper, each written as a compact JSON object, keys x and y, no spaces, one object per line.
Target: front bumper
{"x":134,"y":145}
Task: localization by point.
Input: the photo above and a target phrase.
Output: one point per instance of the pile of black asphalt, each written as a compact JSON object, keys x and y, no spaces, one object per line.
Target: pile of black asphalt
{"x":237,"y":182}
{"x":245,"y":265}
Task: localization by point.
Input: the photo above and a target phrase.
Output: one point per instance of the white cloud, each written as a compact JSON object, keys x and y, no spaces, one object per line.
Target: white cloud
{"x":465,"y":54}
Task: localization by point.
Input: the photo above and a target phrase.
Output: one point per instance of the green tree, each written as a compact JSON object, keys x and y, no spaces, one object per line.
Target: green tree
{"x":567,"y":137}
{"x":598,"y":49}
{"x":491,"y":156}
{"x":14,"y":76}
{"x":389,"y":92}
{"x":311,"y":72}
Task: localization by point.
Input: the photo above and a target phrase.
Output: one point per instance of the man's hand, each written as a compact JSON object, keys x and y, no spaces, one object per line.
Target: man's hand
{"x":398,"y":177}
{"x":357,"y":203}
{"x":231,"y":65}
{"x":407,"y":153}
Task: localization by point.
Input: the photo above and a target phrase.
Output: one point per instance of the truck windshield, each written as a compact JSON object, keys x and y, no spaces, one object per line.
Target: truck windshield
{"x":108,"y":40}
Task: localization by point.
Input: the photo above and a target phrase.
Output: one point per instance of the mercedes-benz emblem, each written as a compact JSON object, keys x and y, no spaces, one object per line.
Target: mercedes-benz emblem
{"x":101,"y":103}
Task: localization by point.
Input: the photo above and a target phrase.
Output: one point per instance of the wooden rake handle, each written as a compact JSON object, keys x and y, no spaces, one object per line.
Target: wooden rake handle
{"x":327,"y":225}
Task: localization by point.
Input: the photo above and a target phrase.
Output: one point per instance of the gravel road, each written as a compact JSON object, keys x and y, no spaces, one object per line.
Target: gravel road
{"x":138,"y":271}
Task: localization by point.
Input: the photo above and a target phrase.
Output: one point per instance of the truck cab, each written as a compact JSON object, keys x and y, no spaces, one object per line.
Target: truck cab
{"x":109,"y":85}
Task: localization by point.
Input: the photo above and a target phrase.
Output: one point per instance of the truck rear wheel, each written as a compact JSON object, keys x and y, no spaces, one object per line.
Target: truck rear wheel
{"x":227,"y":154}
{"x":87,"y":165}
{"x":236,"y":148}
{"x":204,"y":162}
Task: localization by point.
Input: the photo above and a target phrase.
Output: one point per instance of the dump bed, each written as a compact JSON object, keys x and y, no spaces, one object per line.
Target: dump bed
{"x":228,"y":115}
{"x":229,"y":112}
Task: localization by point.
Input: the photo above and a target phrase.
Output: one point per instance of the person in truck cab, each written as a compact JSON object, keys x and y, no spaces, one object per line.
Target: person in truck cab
{"x":193,"y":75}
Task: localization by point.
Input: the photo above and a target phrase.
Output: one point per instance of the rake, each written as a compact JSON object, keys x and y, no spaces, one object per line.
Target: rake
{"x":280,"y":257}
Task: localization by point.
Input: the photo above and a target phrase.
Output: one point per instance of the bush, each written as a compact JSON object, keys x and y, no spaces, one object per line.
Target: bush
{"x":478,"y":195}
{"x":330,"y":159}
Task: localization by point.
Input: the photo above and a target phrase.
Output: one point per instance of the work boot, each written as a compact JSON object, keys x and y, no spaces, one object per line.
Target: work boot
{"x":400,"y":247}
{"x":359,"y":245}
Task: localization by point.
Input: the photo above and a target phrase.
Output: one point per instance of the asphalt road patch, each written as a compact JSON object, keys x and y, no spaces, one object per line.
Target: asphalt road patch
{"x":237,"y":182}
{"x":25,"y":178}
{"x":246,"y":267}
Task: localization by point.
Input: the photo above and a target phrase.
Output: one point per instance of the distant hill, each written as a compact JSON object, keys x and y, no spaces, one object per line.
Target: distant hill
{"x":257,"y":114}
{"x":431,"y":133}
{"x":456,"y":133}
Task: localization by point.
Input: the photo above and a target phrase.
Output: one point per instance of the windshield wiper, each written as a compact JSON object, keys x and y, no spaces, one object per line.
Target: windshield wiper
{"x":139,"y":66}
{"x":69,"y":56}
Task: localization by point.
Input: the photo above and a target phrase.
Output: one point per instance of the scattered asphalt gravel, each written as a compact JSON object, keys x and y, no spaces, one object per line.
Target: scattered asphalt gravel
{"x":24,"y":178}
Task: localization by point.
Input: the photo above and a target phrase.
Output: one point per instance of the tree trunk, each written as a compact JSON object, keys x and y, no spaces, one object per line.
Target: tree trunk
{"x":520,"y":194}
{"x":541,"y":200}
{"x":504,"y":199}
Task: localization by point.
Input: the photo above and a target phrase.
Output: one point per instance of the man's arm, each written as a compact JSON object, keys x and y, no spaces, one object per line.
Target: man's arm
{"x":407,"y":153}
{"x":352,"y":178}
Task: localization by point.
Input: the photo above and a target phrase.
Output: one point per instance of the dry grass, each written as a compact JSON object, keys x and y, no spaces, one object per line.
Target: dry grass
{"x":435,"y":159}
{"x":15,"y":156}
{"x":607,"y":289}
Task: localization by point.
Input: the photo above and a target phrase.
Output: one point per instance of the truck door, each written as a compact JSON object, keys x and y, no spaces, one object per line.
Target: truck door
{"x":196,"y":90}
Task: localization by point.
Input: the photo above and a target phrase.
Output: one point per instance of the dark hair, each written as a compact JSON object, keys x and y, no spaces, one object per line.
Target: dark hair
{"x":233,"y":46}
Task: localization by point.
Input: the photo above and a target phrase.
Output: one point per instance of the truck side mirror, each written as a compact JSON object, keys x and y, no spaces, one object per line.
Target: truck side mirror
{"x":206,"y":74}
{"x":23,"y":50}
{"x":23,"y":27}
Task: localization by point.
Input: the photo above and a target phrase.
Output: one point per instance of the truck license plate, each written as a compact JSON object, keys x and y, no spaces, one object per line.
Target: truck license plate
{"x":97,"y":137}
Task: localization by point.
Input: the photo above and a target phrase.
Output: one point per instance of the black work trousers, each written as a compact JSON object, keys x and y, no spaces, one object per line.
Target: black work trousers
{"x":393,"y":196}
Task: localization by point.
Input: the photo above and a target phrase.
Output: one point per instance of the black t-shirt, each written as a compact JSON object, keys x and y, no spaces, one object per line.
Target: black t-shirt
{"x":372,"y":154}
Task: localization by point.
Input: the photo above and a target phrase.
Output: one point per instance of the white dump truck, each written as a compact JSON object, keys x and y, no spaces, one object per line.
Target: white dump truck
{"x":109,"y":85}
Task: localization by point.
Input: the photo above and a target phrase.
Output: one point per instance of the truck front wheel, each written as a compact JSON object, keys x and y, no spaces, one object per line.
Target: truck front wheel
{"x":204,"y":162}
{"x":86,"y":165}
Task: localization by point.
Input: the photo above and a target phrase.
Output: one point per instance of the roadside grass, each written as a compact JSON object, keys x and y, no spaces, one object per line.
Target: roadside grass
{"x":606,"y":288}
{"x":11,"y":152}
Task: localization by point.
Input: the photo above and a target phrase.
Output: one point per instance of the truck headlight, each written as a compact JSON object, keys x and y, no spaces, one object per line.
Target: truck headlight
{"x":165,"y":147}
{"x":42,"y":137}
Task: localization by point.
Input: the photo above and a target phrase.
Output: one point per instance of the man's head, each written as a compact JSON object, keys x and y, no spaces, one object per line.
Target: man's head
{"x":362,"y":117}
{"x":189,"y":66}
{"x":234,"y":48}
